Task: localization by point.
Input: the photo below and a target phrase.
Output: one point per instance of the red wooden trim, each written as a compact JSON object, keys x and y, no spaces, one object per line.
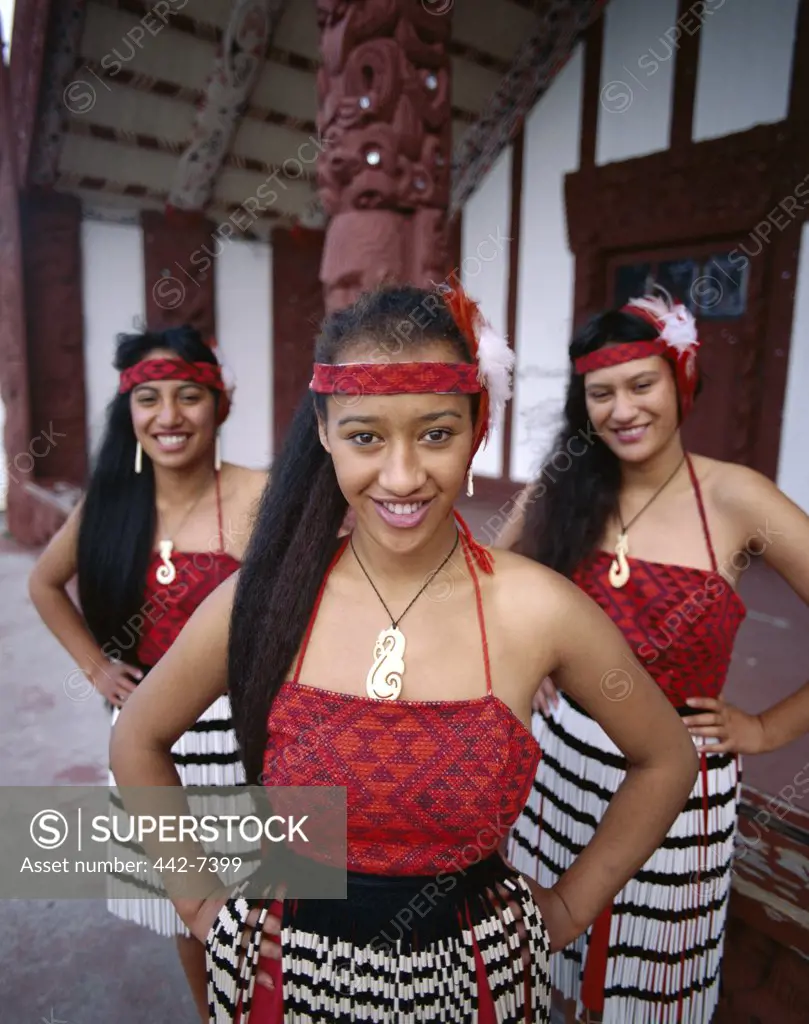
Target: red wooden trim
{"x":30,"y":24}
{"x":591,"y":92}
{"x":798,"y":114}
{"x":517,"y":171}
{"x":685,"y":76}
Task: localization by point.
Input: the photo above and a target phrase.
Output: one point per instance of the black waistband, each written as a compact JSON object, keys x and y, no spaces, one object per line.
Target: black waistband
{"x":414,"y":909}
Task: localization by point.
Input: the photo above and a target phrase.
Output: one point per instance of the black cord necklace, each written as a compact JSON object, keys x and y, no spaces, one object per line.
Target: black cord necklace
{"x":619,"y":570}
{"x":384,"y":680}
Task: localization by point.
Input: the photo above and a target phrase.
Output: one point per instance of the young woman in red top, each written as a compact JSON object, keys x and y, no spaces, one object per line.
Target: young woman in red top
{"x":430,"y":737}
{"x":659,"y":538}
{"x":163,"y":523}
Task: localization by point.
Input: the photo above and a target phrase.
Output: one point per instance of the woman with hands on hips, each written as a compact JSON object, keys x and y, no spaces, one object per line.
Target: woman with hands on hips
{"x":163,"y":523}
{"x":412,"y":653}
{"x":651,"y":532}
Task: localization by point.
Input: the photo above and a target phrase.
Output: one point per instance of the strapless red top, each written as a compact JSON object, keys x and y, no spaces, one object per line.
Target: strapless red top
{"x":681,"y":622}
{"x":432,"y":785}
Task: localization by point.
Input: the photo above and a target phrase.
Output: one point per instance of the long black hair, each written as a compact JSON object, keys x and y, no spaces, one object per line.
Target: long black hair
{"x":577,"y":490}
{"x":118,"y":518}
{"x":295,"y":535}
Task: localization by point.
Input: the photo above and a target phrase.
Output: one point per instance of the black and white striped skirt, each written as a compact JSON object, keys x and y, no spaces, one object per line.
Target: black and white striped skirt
{"x":206,"y":755}
{"x":400,"y":950}
{"x":654,"y":957}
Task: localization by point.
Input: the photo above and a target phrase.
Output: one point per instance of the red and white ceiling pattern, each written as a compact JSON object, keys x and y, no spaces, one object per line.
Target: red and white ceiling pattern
{"x":204,"y":103}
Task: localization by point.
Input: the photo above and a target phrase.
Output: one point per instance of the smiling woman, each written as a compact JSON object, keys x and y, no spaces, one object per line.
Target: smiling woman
{"x":400,"y":663}
{"x":157,"y":483}
{"x":642,"y":526}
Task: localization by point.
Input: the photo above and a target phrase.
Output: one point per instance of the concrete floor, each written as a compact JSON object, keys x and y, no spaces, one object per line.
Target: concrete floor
{"x":66,"y":961}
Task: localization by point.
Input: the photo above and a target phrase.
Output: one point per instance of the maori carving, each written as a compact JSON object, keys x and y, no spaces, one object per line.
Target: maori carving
{"x":235,"y":71}
{"x":385,"y":121}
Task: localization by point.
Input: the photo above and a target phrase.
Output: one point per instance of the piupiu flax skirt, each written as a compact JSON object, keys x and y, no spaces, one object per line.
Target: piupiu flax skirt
{"x":206,"y":755}
{"x":401,"y":950}
{"x":654,"y":957}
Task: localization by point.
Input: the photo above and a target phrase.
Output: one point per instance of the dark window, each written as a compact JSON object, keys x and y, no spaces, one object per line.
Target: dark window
{"x":725,"y":274}
{"x":632,"y":281}
{"x":677,"y":277}
{"x":713,"y":288}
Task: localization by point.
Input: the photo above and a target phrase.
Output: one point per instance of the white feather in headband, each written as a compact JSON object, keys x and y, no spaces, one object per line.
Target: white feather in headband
{"x":679,"y":329}
{"x":495,"y":366}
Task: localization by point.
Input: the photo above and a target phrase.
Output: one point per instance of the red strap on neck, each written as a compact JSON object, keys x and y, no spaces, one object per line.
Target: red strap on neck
{"x":479,"y":553}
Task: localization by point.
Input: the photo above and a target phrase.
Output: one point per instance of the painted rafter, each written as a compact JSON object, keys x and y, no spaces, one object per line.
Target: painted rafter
{"x":151,"y":143}
{"x":164,"y":87}
{"x":67,"y":182}
{"x":560,"y":24}
{"x":234,"y":74}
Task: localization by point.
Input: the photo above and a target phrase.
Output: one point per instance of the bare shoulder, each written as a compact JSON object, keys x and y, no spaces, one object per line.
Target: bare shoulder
{"x":738,"y":491}
{"x":528,"y":594}
{"x":245,"y":486}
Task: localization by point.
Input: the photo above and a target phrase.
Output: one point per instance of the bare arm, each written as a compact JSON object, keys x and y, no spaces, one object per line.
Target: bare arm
{"x":594,"y":665}
{"x":776,"y":529}
{"x":186,"y":681}
{"x":47,"y":587}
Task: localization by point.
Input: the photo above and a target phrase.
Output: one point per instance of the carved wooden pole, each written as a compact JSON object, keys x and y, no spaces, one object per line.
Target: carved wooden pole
{"x":385,"y":120}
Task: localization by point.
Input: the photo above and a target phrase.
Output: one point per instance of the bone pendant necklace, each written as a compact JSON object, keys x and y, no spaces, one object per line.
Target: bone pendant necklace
{"x":384,"y":679}
{"x":619,"y":569}
{"x":166,"y":572}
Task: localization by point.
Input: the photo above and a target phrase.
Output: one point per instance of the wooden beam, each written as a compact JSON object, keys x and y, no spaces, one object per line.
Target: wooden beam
{"x":517,"y":173}
{"x":30,"y":25}
{"x":233,"y":76}
{"x":685,"y":77}
{"x":88,"y":183}
{"x":544,"y":54}
{"x":150,"y":143}
{"x":163,"y":87}
{"x":591,"y":94}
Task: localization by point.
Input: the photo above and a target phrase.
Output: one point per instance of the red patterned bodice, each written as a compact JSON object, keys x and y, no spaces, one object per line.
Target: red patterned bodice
{"x":680,"y":622}
{"x":432,"y":785}
{"x":167,"y":607}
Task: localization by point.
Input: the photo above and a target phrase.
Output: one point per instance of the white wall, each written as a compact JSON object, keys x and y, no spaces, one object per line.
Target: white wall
{"x":793,"y":465}
{"x":745,"y":64}
{"x":244,"y":337}
{"x":485,"y":271}
{"x":637,"y":78}
{"x":546,"y":275}
{"x":113,"y":285}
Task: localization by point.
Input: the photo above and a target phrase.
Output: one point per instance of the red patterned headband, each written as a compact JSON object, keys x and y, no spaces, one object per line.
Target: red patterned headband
{"x":489,"y":375}
{"x":396,"y":379}
{"x":209,"y":375}
{"x":677,"y":343}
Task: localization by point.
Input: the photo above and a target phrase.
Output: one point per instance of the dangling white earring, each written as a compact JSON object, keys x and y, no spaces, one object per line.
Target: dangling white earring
{"x":138,"y":457}
{"x":217,"y":454}
{"x":470,"y":483}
